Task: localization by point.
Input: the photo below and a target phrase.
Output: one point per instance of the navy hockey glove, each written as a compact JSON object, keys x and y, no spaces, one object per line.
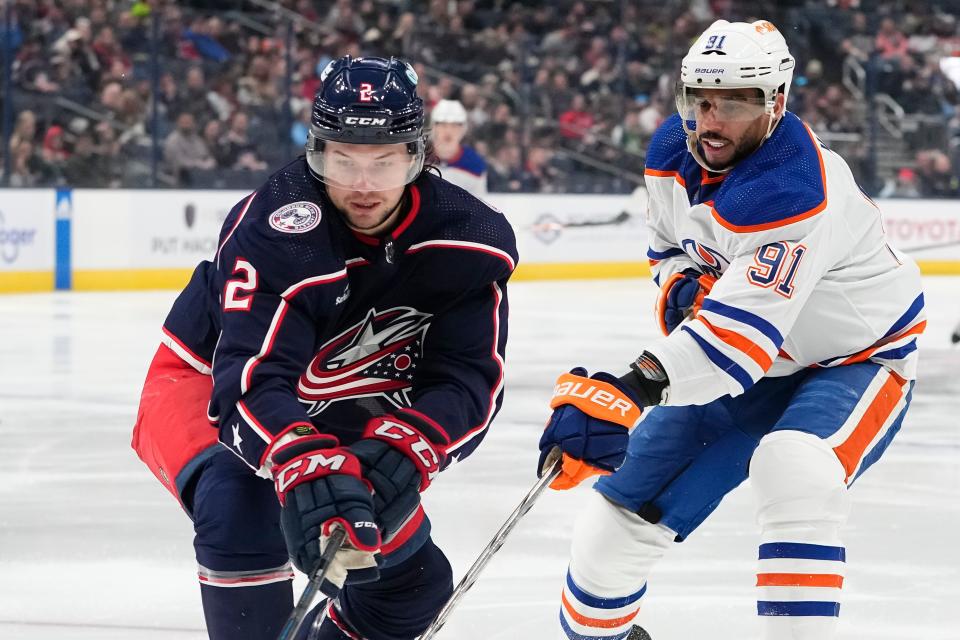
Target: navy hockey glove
{"x":320,"y":486}
{"x":400,"y":455}
{"x":589,"y":426}
{"x":682,"y":296}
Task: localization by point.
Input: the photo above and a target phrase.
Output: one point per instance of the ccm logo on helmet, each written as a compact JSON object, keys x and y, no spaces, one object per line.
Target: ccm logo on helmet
{"x":365,"y":121}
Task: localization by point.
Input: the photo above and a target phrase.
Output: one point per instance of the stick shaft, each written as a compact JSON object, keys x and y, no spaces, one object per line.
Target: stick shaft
{"x":498,"y":539}
{"x":300,"y":611}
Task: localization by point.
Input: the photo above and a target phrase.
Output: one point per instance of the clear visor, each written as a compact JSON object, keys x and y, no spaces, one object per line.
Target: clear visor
{"x":364,"y":167}
{"x":696,"y":105}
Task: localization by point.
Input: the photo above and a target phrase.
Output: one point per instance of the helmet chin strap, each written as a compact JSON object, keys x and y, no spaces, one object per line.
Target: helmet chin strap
{"x":694,"y":148}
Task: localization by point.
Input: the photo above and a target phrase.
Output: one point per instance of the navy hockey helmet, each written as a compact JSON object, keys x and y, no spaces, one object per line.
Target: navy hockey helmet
{"x":367,"y":101}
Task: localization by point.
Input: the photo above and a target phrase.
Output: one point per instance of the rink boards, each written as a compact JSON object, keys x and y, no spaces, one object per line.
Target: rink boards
{"x":93,"y":239}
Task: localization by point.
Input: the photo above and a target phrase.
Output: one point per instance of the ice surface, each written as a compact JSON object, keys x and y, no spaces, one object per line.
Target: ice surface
{"x":91,"y":546}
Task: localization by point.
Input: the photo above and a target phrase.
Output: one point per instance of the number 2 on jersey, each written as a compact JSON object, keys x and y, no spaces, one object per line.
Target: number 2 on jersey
{"x":775,"y":265}
{"x":235,"y":292}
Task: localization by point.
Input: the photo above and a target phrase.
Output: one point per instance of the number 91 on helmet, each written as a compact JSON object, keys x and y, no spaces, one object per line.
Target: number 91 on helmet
{"x":366,"y":130}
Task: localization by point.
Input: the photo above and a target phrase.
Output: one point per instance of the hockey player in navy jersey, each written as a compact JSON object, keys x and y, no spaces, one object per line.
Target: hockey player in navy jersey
{"x":344,"y":345}
{"x":789,"y":353}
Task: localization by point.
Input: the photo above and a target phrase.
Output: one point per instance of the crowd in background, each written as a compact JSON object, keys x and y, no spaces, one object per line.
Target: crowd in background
{"x":561,"y":95}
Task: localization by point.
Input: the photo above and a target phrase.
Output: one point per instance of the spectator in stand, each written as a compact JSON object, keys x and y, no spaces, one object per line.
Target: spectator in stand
{"x":891,"y":44}
{"x":458,"y":163}
{"x":576,"y":123}
{"x":184,"y":150}
{"x":25,"y":128}
{"x":936,"y":176}
{"x":86,"y":167}
{"x":193,"y":97}
{"x":28,"y":170}
{"x":905,"y":185}
{"x":859,"y":42}
{"x":541,"y":174}
{"x":55,"y":152}
{"x":213,"y":138}
{"x":236,"y":140}
{"x":505,"y":170}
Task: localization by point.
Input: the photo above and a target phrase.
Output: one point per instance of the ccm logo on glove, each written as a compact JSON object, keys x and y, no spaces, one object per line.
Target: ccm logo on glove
{"x":418,"y":445}
{"x":305,"y":466}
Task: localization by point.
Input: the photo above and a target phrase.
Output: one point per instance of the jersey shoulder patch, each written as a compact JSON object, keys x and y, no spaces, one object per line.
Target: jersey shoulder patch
{"x":781,"y":183}
{"x":667,"y":149}
{"x":285,"y":233}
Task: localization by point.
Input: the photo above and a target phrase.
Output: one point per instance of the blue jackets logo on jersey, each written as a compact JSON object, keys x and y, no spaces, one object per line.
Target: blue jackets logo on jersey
{"x":296,"y":217}
{"x":375,"y":357}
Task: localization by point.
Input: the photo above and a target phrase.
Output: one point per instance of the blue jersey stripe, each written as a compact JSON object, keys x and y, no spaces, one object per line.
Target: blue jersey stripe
{"x":802,"y":550}
{"x":573,"y":635}
{"x":747,"y":318}
{"x":907,"y":317}
{"x":717,"y":357}
{"x":898,"y":353}
{"x":802,"y":608}
{"x":663,"y":255}
{"x":598,"y":602}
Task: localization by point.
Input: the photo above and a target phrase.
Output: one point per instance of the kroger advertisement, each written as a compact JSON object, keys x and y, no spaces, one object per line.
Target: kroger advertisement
{"x":90,"y":239}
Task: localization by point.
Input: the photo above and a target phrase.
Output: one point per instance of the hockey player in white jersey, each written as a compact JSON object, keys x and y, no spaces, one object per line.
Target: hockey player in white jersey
{"x":789,"y":353}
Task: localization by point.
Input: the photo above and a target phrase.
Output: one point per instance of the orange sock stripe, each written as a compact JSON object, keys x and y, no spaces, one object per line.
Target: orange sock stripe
{"x":749,"y":348}
{"x":799,"y":580}
{"x":852,"y":449}
{"x":596,"y":622}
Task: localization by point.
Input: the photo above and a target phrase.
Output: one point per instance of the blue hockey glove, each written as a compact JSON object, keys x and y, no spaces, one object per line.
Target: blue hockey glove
{"x":589,"y":426}
{"x":320,"y":486}
{"x":400,"y":454}
{"x":682,"y":296}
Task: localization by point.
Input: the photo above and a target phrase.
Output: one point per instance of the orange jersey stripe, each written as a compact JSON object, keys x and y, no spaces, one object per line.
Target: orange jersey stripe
{"x":596,"y":622}
{"x":866,"y":353}
{"x":799,"y":580}
{"x":852,"y":449}
{"x":741,"y":343}
{"x":659,"y":173}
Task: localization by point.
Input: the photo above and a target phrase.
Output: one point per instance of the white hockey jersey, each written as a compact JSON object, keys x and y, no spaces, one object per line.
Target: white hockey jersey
{"x":806,"y":278}
{"x":468,"y":171}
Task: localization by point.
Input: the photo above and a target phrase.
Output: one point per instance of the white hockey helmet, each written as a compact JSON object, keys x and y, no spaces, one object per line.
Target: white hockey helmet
{"x":735,"y":55}
{"x":731,"y":55}
{"x":448,"y":111}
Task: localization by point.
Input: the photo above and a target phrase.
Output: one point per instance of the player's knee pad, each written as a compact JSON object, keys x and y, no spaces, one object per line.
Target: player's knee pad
{"x":236,"y":518}
{"x":613,"y":548}
{"x":798,"y":479}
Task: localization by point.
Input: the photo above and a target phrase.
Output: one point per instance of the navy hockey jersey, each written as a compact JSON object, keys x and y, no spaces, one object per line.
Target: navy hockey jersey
{"x":302,"y":321}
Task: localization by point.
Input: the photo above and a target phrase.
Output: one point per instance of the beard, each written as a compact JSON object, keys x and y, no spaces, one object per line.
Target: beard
{"x":750,"y":142}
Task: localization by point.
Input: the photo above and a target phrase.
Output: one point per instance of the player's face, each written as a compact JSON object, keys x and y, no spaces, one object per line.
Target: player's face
{"x":731,"y":123}
{"x":366,"y":182}
{"x":368,"y":212}
{"x":447,"y":137}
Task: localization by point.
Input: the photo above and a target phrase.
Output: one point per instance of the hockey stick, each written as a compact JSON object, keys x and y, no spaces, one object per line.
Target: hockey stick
{"x":498,"y":539}
{"x":310,"y":591}
{"x":548,"y":223}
